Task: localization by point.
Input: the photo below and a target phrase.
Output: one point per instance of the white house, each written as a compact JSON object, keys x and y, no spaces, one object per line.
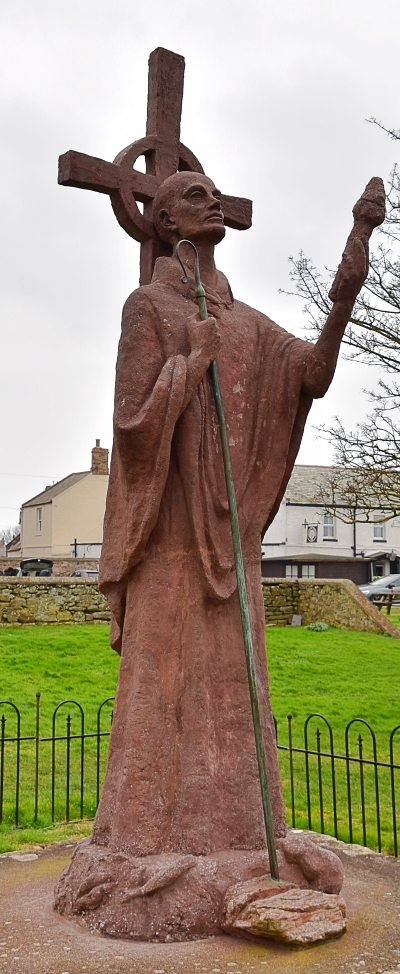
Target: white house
{"x":304,"y":541}
{"x":66,"y":519}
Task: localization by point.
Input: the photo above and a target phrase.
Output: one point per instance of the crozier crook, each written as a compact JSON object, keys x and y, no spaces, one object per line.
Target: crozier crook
{"x":200,"y":294}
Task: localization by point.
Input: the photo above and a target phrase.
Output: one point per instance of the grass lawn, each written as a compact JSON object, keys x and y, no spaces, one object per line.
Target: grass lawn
{"x":341,"y":675}
{"x":336,"y":673}
{"x":394,"y":615}
{"x":61,"y":662}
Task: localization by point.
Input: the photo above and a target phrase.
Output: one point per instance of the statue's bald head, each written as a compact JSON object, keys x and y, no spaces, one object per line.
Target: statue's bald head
{"x":188,"y":204}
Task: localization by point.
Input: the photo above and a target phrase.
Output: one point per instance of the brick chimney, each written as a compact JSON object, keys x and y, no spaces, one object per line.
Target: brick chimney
{"x":99,"y":459}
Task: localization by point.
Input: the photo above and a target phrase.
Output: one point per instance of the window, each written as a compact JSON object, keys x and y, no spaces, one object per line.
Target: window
{"x":291,"y":571}
{"x":329,"y":526}
{"x":308,"y":571}
{"x":379,"y":529}
{"x":38,"y":520}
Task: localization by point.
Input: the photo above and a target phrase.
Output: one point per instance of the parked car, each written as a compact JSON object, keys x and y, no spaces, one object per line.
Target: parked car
{"x":86,"y":573}
{"x":36,"y":566}
{"x":387,"y":585}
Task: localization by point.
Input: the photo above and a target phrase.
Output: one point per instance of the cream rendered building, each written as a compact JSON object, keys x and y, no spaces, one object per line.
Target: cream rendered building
{"x":306,"y":540}
{"x":68,"y":514}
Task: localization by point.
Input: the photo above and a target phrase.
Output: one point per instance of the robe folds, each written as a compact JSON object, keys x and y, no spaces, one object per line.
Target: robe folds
{"x":182,"y":772}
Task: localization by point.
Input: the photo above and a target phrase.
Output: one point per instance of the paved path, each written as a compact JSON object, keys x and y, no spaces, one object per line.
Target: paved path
{"x":36,"y":940}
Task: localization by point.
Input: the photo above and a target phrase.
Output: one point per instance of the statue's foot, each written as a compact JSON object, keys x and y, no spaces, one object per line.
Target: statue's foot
{"x":304,"y":863}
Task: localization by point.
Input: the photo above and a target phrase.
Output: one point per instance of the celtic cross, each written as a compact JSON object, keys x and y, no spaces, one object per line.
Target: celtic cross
{"x":164,"y":154}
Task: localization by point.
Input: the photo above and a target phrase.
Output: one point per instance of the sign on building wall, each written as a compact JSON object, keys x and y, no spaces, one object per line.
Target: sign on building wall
{"x":311,"y":533}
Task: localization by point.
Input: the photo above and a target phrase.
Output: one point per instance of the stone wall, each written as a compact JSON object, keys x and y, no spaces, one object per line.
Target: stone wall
{"x":51,"y":600}
{"x":72,"y":600}
{"x":339,"y":603}
{"x":281,"y":601}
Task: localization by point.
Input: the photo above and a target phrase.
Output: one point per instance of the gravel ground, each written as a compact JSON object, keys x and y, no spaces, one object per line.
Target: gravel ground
{"x":34,"y":939}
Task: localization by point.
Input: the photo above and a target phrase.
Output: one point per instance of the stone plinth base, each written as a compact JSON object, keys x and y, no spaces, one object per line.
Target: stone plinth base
{"x":157,"y":898}
{"x":172,"y":897}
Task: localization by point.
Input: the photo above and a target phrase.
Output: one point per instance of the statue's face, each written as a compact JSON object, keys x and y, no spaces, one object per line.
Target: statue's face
{"x":192,"y":209}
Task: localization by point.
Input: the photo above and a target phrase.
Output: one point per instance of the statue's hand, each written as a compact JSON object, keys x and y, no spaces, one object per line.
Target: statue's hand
{"x":368,"y":212}
{"x":370,"y":208}
{"x":204,"y":336}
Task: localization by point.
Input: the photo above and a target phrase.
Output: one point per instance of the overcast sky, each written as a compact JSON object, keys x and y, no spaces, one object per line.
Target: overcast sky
{"x":275,"y":101}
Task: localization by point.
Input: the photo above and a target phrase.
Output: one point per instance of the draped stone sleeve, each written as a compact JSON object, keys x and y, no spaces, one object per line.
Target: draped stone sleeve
{"x":150,"y":394}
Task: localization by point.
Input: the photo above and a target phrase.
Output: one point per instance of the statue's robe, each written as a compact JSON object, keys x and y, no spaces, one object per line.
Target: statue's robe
{"x":182,"y":772}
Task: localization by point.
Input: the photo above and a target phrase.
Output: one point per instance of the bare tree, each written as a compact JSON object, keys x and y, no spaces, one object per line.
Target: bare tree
{"x":359,"y":494}
{"x":371,"y":450}
{"x":7,"y":534}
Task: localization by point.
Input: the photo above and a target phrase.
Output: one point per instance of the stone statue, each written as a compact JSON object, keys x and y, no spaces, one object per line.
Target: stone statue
{"x":181,"y":803}
{"x":180,"y":818}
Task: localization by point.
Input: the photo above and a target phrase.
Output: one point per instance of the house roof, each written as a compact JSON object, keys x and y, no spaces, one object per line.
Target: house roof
{"x":310,"y":484}
{"x":14,"y":544}
{"x":47,"y":495}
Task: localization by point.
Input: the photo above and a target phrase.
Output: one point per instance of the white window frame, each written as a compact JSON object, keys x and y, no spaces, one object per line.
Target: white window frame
{"x":379,"y":528}
{"x":329,"y":527}
{"x":39,"y":520}
{"x":291,"y":570}
{"x":308,"y":571}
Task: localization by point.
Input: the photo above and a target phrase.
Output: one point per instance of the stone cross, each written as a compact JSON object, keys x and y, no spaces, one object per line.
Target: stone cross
{"x":164,"y":153}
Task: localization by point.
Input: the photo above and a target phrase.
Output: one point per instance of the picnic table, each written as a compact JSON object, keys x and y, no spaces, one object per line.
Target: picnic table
{"x":387,"y":599}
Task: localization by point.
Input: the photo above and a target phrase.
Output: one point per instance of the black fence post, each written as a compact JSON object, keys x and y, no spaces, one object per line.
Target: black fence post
{"x":3,"y":733}
{"x":68,"y":736}
{"x":3,"y":740}
{"x":37,"y":746}
{"x":348,"y":780}
{"x":320,"y":789}
{"x":68,"y":765}
{"x":290,"y":718}
{"x":99,"y":735}
{"x":362,"y":790}
{"x":393,"y":787}
{"x":307,"y":767}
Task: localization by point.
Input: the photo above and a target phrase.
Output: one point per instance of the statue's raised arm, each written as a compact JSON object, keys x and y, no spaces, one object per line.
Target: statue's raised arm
{"x":368,"y":212}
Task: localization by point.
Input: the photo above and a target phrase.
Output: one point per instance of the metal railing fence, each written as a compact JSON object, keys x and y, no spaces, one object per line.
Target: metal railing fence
{"x":55,"y":776}
{"x":350,"y":793}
